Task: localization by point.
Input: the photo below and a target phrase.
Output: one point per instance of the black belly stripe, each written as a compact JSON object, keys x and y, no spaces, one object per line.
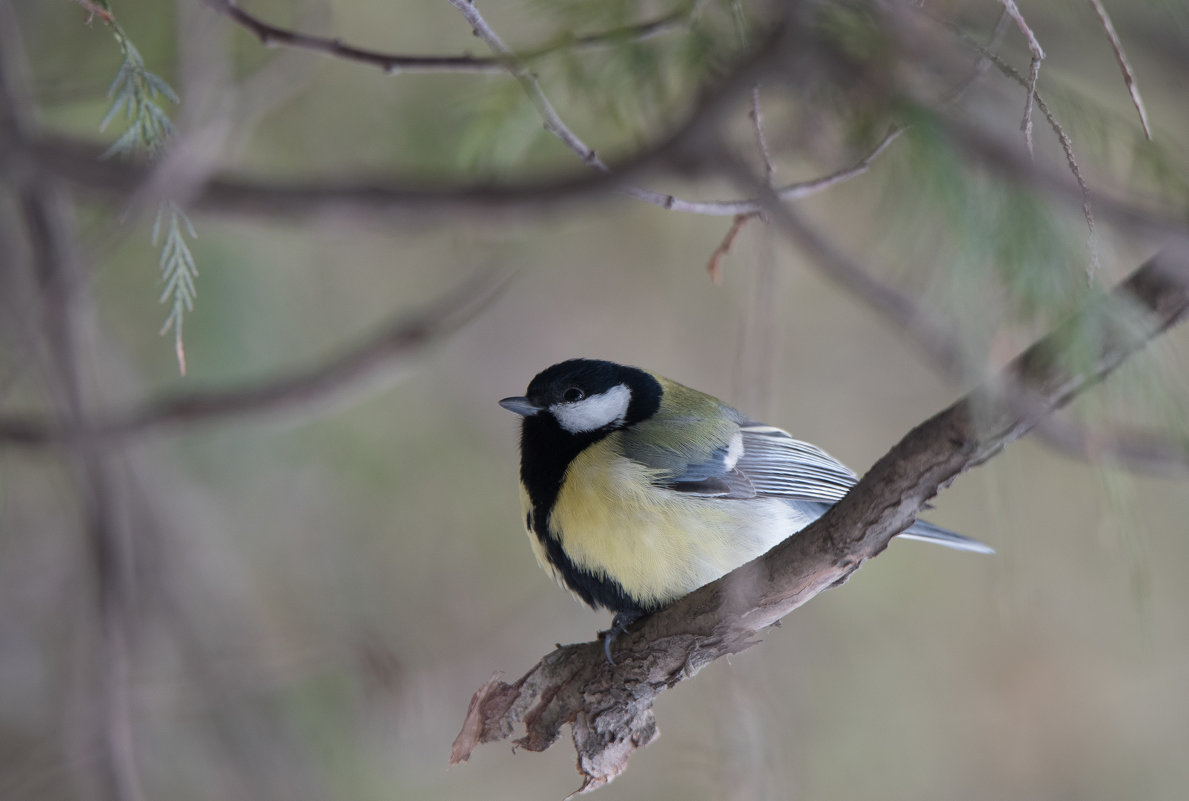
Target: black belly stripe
{"x":597,"y":591}
{"x":546,"y":452}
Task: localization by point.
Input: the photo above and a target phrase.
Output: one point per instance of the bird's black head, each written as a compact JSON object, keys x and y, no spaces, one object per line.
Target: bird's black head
{"x":567,"y":408}
{"x":583,"y":397}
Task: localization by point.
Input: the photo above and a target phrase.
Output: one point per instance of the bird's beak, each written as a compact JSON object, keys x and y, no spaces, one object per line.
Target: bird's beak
{"x":521,"y":405}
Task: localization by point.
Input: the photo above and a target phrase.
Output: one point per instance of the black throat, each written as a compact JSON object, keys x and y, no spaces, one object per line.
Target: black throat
{"x":546,"y":451}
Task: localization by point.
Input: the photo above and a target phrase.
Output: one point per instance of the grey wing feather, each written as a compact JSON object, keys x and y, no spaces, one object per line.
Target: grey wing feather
{"x":763,"y":460}
{"x":717,"y":477}
{"x":772,"y":463}
{"x":777,"y":464}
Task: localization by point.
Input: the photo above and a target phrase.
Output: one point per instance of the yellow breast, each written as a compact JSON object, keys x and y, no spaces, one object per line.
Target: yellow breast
{"x":613,"y":521}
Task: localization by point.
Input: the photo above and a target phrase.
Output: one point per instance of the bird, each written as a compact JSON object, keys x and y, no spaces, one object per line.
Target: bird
{"x":636,"y":490}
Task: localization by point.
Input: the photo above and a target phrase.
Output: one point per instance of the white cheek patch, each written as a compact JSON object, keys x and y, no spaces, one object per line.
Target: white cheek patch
{"x":597,"y":411}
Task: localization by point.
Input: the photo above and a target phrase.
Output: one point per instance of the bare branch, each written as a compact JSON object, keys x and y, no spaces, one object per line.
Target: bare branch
{"x":714,"y":266}
{"x":82,"y":166}
{"x":55,"y":269}
{"x":1062,"y":137}
{"x":399,"y":64}
{"x":609,"y":709}
{"x":401,"y":339}
{"x":1121,"y":56}
{"x":555,"y":125}
{"x":757,"y":122}
{"x":392,"y":63}
{"x":78,"y":163}
{"x":1038,"y":55}
{"x":938,"y":340}
{"x":932,"y":337}
{"x":530,"y":84}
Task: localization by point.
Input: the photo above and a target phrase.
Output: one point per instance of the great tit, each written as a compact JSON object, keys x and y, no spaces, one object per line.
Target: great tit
{"x":637,"y":490}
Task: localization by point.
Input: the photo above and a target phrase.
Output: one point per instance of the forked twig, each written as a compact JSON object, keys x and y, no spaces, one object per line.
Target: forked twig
{"x":1038,"y":55}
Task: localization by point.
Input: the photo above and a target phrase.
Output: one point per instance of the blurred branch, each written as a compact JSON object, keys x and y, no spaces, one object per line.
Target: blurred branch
{"x":392,"y":63}
{"x":55,"y":270}
{"x":1038,"y":55}
{"x":555,"y":125}
{"x":94,"y":10}
{"x":395,"y":63}
{"x":532,"y":87}
{"x":1112,"y":36}
{"x":79,"y":163}
{"x":986,"y":53}
{"x":983,"y":61}
{"x":787,"y":55}
{"x":929,"y":334}
{"x":403,"y":338}
{"x":714,"y":265}
{"x":1136,"y":449}
{"x":52,"y":237}
{"x":609,"y":709}
{"x":940,"y":342}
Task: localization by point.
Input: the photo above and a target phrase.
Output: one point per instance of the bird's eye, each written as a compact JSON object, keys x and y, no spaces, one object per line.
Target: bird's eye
{"x":573,"y":395}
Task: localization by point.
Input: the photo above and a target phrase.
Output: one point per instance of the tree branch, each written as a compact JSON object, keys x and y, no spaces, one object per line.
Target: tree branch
{"x":402,"y":338}
{"x":78,"y":162}
{"x":56,"y":271}
{"x":398,"y":63}
{"x":609,"y":709}
{"x":938,"y":340}
{"x":81,"y":164}
{"x":1112,"y":36}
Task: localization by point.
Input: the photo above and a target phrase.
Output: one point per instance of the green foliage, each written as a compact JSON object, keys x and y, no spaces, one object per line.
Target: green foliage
{"x":503,"y":127}
{"x":853,"y":30}
{"x":138,"y":97}
{"x":604,"y":74}
{"x":1004,"y":236}
{"x":178,"y":270}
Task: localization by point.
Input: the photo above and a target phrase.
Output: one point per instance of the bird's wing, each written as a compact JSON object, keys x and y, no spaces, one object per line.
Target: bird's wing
{"x":777,"y":464}
{"x":741,"y":459}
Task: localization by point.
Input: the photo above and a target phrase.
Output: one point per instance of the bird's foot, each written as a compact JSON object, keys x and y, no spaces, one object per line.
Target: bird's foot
{"x":619,"y":625}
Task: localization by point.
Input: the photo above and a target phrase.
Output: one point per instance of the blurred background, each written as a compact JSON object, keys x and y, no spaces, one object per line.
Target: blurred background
{"x":312,"y":598}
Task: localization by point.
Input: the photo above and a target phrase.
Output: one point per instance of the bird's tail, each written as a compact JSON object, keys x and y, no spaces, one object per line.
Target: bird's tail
{"x":927,"y":532}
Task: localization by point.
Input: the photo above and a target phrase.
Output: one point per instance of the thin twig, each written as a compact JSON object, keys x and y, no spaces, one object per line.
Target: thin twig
{"x":556,"y":126}
{"x":1121,"y":56}
{"x":982,"y":62}
{"x":530,"y":84}
{"x":925,"y":330}
{"x":271,"y":35}
{"x":714,"y":266}
{"x":79,"y":163}
{"x":1038,"y":55}
{"x":94,"y":10}
{"x":400,"y":339}
{"x":1062,"y":137}
{"x":937,"y":339}
{"x":757,"y":122}
{"x":392,"y":63}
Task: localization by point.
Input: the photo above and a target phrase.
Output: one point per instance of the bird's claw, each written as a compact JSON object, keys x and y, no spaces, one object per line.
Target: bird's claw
{"x":619,"y":625}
